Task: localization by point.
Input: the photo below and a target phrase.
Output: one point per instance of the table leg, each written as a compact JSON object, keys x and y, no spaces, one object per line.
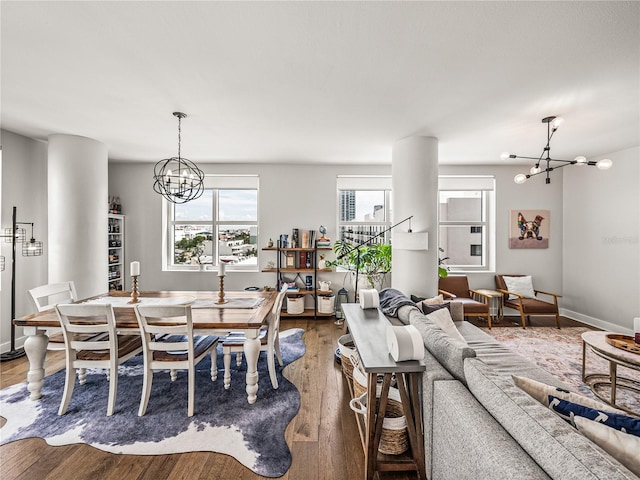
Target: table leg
{"x":613,"y":373}
{"x":35,"y":347}
{"x":251,"y":353}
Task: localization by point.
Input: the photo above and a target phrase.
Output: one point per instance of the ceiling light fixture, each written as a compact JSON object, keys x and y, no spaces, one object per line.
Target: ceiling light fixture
{"x":545,"y":159}
{"x":178,"y":179}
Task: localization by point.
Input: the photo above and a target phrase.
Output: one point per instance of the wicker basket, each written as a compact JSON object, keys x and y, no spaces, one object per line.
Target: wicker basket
{"x":347,"y":351}
{"x":394,"y":439}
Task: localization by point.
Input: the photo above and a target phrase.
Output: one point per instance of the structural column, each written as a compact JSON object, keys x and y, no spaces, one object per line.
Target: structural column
{"x":415,"y":192}
{"x":78,"y":194}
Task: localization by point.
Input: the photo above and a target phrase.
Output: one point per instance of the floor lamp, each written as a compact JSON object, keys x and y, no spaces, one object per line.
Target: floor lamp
{"x":30,"y":248}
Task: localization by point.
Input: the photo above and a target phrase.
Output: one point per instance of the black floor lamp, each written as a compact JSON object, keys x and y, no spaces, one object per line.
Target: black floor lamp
{"x":30,"y":248}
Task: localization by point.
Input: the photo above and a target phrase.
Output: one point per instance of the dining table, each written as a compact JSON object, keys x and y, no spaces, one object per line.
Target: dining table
{"x":243,"y":311}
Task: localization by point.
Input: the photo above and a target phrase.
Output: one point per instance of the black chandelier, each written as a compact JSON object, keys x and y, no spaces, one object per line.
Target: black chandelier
{"x":545,"y":157}
{"x":178,"y":179}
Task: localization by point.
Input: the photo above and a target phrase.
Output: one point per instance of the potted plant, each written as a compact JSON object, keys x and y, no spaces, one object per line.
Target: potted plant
{"x":373,"y":261}
{"x":443,"y":269}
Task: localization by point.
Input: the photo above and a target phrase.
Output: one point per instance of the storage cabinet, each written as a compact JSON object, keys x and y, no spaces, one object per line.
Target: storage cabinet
{"x":116,"y":251}
{"x":300,"y":266}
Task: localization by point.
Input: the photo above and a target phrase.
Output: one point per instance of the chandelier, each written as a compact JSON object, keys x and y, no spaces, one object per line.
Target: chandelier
{"x":543,"y":163}
{"x":178,"y":179}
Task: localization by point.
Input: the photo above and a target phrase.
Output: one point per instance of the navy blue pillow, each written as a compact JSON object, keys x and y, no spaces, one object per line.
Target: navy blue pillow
{"x":620,"y":422}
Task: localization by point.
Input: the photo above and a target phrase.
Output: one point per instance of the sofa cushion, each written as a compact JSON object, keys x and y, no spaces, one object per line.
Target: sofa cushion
{"x":558,"y":448}
{"x":447,"y":350}
{"x":468,"y":444}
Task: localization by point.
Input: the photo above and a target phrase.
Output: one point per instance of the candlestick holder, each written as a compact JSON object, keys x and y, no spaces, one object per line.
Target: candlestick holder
{"x":221,"y":299}
{"x":134,"y":290}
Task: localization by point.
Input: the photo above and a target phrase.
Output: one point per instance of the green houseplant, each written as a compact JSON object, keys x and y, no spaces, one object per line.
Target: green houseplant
{"x":374,"y":261}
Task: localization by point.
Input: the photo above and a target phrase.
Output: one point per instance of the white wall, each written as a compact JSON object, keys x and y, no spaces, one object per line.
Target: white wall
{"x":544,"y":265}
{"x":601,"y":261}
{"x":24,"y":185}
{"x":290,"y":196}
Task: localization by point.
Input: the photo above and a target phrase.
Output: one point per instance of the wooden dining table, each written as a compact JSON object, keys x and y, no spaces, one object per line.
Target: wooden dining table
{"x":244,"y":312}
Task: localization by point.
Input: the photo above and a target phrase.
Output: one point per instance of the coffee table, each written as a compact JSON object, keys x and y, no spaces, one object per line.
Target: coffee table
{"x":597,"y":343}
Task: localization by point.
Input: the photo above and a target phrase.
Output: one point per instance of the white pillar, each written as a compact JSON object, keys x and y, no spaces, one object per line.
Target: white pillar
{"x":78,"y":195}
{"x":415,"y":192}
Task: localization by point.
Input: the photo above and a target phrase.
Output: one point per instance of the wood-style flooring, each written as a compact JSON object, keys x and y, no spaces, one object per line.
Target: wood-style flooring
{"x":323,"y":437}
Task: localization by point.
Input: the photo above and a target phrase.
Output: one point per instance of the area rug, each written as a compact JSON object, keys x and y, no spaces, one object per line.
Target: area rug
{"x":223,"y":422}
{"x":559,"y":352}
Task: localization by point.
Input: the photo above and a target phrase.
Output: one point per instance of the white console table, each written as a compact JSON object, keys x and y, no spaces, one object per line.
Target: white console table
{"x":368,"y":329}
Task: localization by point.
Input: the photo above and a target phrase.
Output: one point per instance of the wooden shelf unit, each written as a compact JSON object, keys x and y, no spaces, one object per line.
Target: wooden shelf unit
{"x":279,"y":270}
{"x":115,"y":247}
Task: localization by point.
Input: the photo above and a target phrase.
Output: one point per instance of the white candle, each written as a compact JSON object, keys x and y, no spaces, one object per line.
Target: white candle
{"x":636,"y":325}
{"x":135,"y":269}
{"x":221,"y":269}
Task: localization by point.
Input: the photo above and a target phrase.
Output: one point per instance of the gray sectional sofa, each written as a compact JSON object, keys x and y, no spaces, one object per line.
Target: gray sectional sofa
{"x":479,"y":425}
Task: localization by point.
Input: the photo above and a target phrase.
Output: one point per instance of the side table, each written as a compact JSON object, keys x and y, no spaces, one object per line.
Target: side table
{"x":496,"y":308}
{"x":596,"y":341}
{"x":368,"y":329}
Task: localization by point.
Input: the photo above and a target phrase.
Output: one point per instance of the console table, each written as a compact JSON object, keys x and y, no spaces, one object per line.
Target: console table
{"x":368,"y":329}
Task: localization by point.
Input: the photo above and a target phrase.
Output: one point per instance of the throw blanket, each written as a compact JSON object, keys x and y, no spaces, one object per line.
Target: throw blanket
{"x":391,"y":300}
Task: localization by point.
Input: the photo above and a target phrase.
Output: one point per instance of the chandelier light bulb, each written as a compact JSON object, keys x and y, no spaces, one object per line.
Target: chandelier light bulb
{"x":504,"y":155}
{"x":580,"y":160}
{"x":604,"y":164}
{"x":535,"y":170}
{"x":520,"y":178}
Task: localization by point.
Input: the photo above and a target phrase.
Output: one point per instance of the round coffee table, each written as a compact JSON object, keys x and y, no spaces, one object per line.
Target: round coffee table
{"x":597,"y":343}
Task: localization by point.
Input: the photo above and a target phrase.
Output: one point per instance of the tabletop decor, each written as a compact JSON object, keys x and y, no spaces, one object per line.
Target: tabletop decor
{"x":223,"y":423}
{"x":135,"y":273}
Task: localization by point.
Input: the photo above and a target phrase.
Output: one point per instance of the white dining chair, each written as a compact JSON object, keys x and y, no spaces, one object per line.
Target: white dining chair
{"x":168,"y":343}
{"x":104,"y":349}
{"x":45,"y":297}
{"x":269,"y":342}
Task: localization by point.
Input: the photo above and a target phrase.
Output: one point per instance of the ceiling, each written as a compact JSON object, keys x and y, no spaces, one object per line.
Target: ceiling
{"x":323,"y":82}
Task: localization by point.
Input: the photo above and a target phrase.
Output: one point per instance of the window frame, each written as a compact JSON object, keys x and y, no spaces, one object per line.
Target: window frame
{"x":216,"y":183}
{"x":486,"y":185}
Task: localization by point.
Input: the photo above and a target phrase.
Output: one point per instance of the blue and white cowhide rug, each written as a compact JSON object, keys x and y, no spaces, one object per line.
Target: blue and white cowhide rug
{"x":223,"y":422}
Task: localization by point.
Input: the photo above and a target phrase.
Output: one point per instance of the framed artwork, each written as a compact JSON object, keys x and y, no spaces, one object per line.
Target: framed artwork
{"x":529,"y":228}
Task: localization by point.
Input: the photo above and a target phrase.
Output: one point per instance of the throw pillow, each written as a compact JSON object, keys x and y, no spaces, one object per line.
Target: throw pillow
{"x":570,"y":410}
{"x":621,"y":446}
{"x":522,"y":285}
{"x":442,"y":318}
{"x":541,"y":392}
{"x":428,"y":308}
{"x":416,"y":299}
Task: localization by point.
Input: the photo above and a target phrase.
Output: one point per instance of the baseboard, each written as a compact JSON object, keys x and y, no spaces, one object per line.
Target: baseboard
{"x":6,"y":346}
{"x":595,"y":322}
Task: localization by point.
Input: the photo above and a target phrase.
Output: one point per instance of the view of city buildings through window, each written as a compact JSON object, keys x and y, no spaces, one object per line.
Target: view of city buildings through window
{"x":363,"y":215}
{"x":221,"y":224}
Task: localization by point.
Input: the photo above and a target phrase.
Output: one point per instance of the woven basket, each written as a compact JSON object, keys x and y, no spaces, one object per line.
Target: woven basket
{"x":347,"y":351}
{"x":394,"y":439}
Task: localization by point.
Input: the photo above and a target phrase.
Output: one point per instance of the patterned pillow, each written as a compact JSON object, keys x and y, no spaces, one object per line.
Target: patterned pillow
{"x":541,"y":392}
{"x":570,"y":410}
{"x":621,"y":446}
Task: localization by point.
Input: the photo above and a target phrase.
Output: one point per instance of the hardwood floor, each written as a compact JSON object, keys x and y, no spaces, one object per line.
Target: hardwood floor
{"x":323,"y":437}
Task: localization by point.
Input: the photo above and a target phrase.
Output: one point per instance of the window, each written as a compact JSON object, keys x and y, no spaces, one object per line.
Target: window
{"x":222,"y":223}
{"x":466,"y":211}
{"x":364,"y":205}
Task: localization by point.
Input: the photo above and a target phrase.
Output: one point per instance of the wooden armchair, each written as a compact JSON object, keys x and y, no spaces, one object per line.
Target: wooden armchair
{"x":456,"y":287}
{"x":527,"y":305}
